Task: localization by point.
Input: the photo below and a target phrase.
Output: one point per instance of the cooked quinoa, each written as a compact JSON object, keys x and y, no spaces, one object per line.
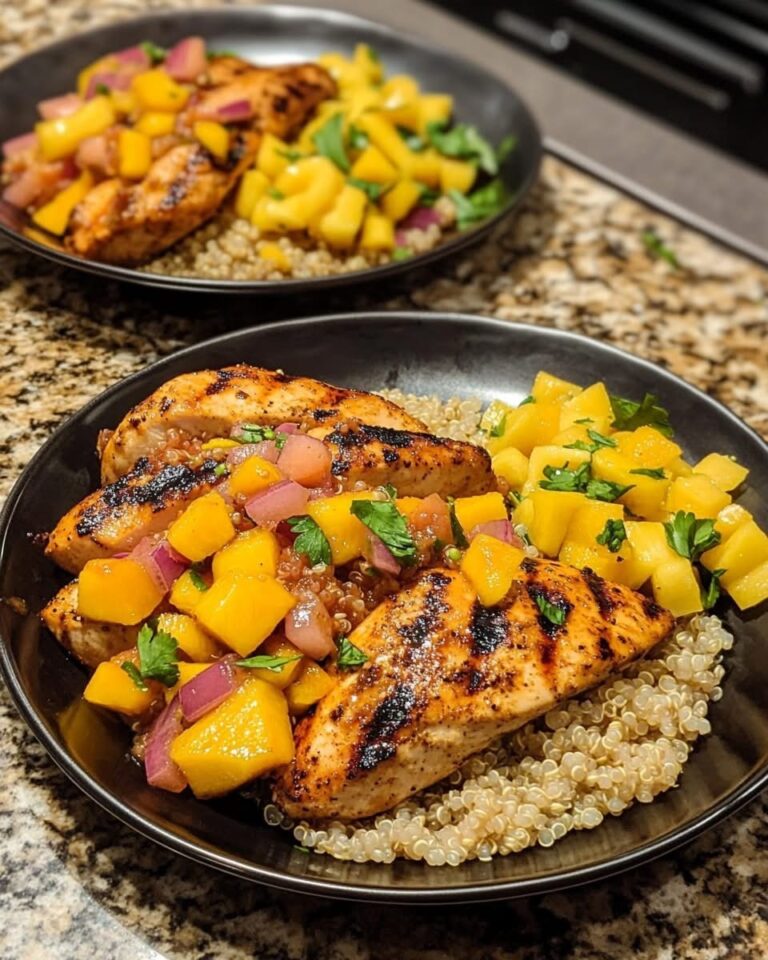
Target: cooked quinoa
{"x":624,"y":742}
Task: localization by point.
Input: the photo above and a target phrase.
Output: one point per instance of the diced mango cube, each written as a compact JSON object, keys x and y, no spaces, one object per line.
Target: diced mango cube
{"x":189,"y":636}
{"x":752,"y":588}
{"x":308,"y":188}
{"x":723,"y":471}
{"x":243,"y":611}
{"x":730,"y":519}
{"x":378,"y":232}
{"x":745,"y":549}
{"x":366,"y":60}
{"x":589,"y":520}
{"x":512,"y":466}
{"x":244,"y":737}
{"x":382,"y":134}
{"x":253,"y":186}
{"x":187,"y":672}
{"x":675,"y":587}
{"x":281,"y":677}
{"x":426,"y":166}
{"x":646,"y":498}
{"x":400,"y":88}
{"x":273,"y":156}
{"x":134,"y":151}
{"x":185,"y":592}
{"x":696,"y":494}
{"x":203,"y":528}
{"x":252,"y":475}
{"x":596,"y":557}
{"x":526,"y":427}
{"x":490,"y":566}
{"x":523,"y":513}
{"x":457,"y":175}
{"x":213,"y":136}
{"x":592,"y":403}
{"x":117,"y":590}
{"x":60,"y":138}
{"x":345,"y":533}
{"x":434,"y":108}
{"x":311,"y":685}
{"x":547,"y":388}
{"x":155,"y":123}
{"x":650,"y":549}
{"x":276,"y":255}
{"x":54,"y":215}
{"x":552,"y":514}
{"x":649,"y":447}
{"x":470,"y":511}
{"x":678,"y":468}
{"x":549,"y":455}
{"x":340,"y":225}
{"x":111,"y":687}
{"x":157,"y":90}
{"x":401,"y":199}
{"x":251,"y":552}
{"x":373,"y":166}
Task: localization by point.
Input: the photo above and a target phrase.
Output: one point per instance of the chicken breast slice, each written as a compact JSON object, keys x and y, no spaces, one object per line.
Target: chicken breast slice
{"x":446,"y":676}
{"x":211,"y":402}
{"x":89,"y":640}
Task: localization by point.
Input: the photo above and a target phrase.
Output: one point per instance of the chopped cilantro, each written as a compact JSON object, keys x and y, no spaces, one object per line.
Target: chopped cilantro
{"x":349,"y":657}
{"x":711,"y":593}
{"x":133,"y":672}
{"x":463,"y":141}
{"x":156,"y":54}
{"x":311,"y":541}
{"x":561,"y":478}
{"x":657,"y":249}
{"x":157,"y":658}
{"x":384,"y":520}
{"x":428,"y":196}
{"x":102,"y":88}
{"x":655,"y":472}
{"x":329,"y":142}
{"x":280,"y":440}
{"x":357,"y":139}
{"x":197,"y":580}
{"x":584,"y":420}
{"x":412,"y":140}
{"x":598,"y":440}
{"x":291,"y":155}
{"x":526,"y":400}
{"x":506,"y":148}
{"x":266,"y":661}
{"x":390,"y":489}
{"x":276,"y":194}
{"x":630,"y":415}
{"x":553,"y":612}
{"x":401,"y":253}
{"x":479,"y":205}
{"x":459,"y":537}
{"x":690,"y":537}
{"x":253,"y":433}
{"x":370,"y":189}
{"x":221,"y":470}
{"x":498,"y":428}
{"x":613,"y":535}
{"x":606,"y":490}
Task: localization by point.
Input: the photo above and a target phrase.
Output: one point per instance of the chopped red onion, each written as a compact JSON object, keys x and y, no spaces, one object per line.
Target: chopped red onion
{"x":160,"y":769}
{"x":94,"y":153}
{"x":305,"y":459}
{"x":381,"y":556}
{"x":267,"y":450}
{"x":23,"y":192}
{"x":420,"y":218}
{"x":233,"y":112}
{"x":113,"y":80}
{"x":186,"y":61}
{"x":25,"y":141}
{"x":57,"y":107}
{"x":160,"y":560}
{"x":309,"y":626}
{"x":278,"y":502}
{"x":287,"y":428}
{"x":207,"y":690}
{"x":133,"y":56}
{"x":500,"y":529}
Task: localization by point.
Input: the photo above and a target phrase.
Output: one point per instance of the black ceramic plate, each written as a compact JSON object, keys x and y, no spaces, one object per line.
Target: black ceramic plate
{"x":423,"y":353}
{"x":269,"y":35}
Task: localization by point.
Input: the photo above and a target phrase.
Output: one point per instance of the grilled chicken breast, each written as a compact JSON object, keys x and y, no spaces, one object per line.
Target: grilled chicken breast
{"x":115,"y":518}
{"x":89,"y":640}
{"x":445,"y":676}
{"x":209,"y":403}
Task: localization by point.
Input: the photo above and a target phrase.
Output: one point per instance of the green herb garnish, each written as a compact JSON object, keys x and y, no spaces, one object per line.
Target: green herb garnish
{"x":561,"y":478}
{"x":384,"y":520}
{"x":349,"y":657}
{"x":506,"y":148}
{"x":370,"y":189}
{"x":584,"y":420}
{"x":655,"y":473}
{"x":691,"y":537}
{"x":598,"y":440}
{"x":401,"y":253}
{"x":526,"y":400}
{"x":157,"y":658}
{"x":357,"y":139}
{"x":613,"y":535}
{"x":605,"y":490}
{"x":275,"y":193}
{"x":280,"y":440}
{"x":253,"y":433}
{"x":428,"y":196}
{"x":459,"y":537}
{"x":329,"y":142}
{"x":291,"y":155}
{"x":711,"y":594}
{"x":498,"y":428}
{"x":156,"y":54}
{"x":197,"y":580}
{"x":412,"y":140}
{"x":630,"y":415}
{"x":221,"y":470}
{"x":133,"y":672}
{"x":102,"y":88}
{"x":479,"y":205}
{"x":656,"y":248}
{"x":265,"y":661}
{"x":551,"y":611}
{"x":311,"y":541}
{"x":221,"y":53}
{"x":464,"y":141}
{"x":390,"y":489}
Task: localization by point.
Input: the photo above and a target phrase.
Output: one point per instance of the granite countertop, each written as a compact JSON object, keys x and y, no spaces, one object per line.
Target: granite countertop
{"x":77,"y":884}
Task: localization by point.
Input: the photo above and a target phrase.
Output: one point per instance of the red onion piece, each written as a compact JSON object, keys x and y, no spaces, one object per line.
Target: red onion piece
{"x":57,"y":107}
{"x":207,"y":690}
{"x":309,"y":627}
{"x":234,"y":111}
{"x":39,"y":182}
{"x":133,"y":56}
{"x":94,"y":153}
{"x":160,"y":769}
{"x":500,"y":529}
{"x":267,"y":450}
{"x":287,"y":428}
{"x":381,"y":556}
{"x":305,"y":459}
{"x":432,"y":518}
{"x":113,"y":81}
{"x":187,"y":60}
{"x":420,"y":218}
{"x":25,"y":141}
{"x":278,"y":502}
{"x":160,"y":560}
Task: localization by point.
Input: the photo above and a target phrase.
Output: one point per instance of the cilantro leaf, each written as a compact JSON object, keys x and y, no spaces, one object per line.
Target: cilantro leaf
{"x":463,"y":141}
{"x":254,"y":433}
{"x":329,"y":142}
{"x":498,"y":428}
{"x":711,"y":594}
{"x":613,"y":534}
{"x":349,"y":657}
{"x":197,"y":580}
{"x":412,"y":140}
{"x":526,"y":400}
{"x":479,"y":205}
{"x":212,"y":54}
{"x":598,"y":440}
{"x":401,"y":253}
{"x":561,"y":478}
{"x":157,"y":659}
{"x":275,"y":193}
{"x":102,"y":89}
{"x":690,"y":537}
{"x":133,"y":672}
{"x":370,"y":189}
{"x":584,"y":420}
{"x":459,"y":537}
{"x":266,"y":661}
{"x":506,"y":148}
{"x":311,"y":541}
{"x":384,"y":519}
{"x":554,"y":612}
{"x":655,"y":473}
{"x":606,"y":490}
{"x":657,"y":249}
{"x":358,"y":140}
{"x":291,"y":155}
{"x":390,"y":489}
{"x":280,"y":440}
{"x":221,"y":470}
{"x":630,"y":415}
{"x":428,"y":196}
{"x":155,"y":53}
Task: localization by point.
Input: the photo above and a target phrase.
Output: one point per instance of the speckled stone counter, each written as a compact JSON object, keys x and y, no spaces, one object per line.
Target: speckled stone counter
{"x":74,"y":883}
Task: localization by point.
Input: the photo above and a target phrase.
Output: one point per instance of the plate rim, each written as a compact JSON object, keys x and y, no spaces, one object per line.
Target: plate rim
{"x":279,"y":11}
{"x":735,"y":799}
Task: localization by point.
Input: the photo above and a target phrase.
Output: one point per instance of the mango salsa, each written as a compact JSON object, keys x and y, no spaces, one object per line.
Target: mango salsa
{"x":189,"y":637}
{"x":118,"y":590}
{"x":723,"y":471}
{"x":110,"y":686}
{"x":203,"y":528}
{"x":490,"y":565}
{"x":346,"y":534}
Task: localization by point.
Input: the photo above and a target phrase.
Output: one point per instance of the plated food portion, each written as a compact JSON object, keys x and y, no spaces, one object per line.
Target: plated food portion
{"x":403,"y":643}
{"x":194,"y":162}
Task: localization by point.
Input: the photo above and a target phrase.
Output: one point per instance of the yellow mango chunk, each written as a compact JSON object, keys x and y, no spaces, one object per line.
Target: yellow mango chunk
{"x":125,"y":103}
{"x":252,"y":475}
{"x":378,"y":232}
{"x":60,"y":138}
{"x":373,"y":166}
{"x":203,"y":528}
{"x":345,"y":533}
{"x":592,"y":403}
{"x":648,"y":494}
{"x":675,"y":587}
{"x":526,"y":427}
{"x":480,"y":509}
{"x":456,"y":175}
{"x":730,"y":519}
{"x":156,"y":124}
{"x":253,"y":186}
{"x":523,"y":513}
{"x":512,"y":466}
{"x":399,"y":89}
{"x":597,"y":558}
{"x":213,"y":136}
{"x":245,"y":736}
{"x":157,"y":90}
{"x":434,"y":108}
{"x":219,"y":443}
{"x":425,"y":167}
{"x":589,"y":519}
{"x":273,"y":156}
{"x":723,"y":471}
{"x":553,"y":511}
{"x":383,"y":135}
{"x":311,"y":685}
{"x":696,"y":494}
{"x":54,"y":215}
{"x":283,"y":676}
{"x":650,"y":550}
{"x":340,"y":225}
{"x":490,"y":566}
{"x":118,"y":590}
{"x":134,"y":150}
{"x":549,"y":455}
{"x":571,"y":435}
{"x":580,"y":546}
{"x":185,"y":594}
{"x":649,"y":447}
{"x":187,"y":672}
{"x":752,"y":588}
{"x":678,"y":468}
{"x":406,"y":116}
{"x":401,"y":199}
{"x":547,"y":388}
{"x":111,"y":687}
{"x":745,"y":549}
{"x":309,"y":186}
{"x":276,"y":255}
{"x":189,"y":637}
{"x":243,"y":611}
{"x":251,"y":552}
{"x":368,"y":62}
